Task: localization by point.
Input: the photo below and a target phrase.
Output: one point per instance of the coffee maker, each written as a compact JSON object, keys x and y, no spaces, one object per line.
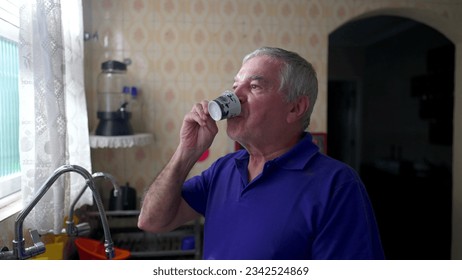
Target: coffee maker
{"x":113,"y":110}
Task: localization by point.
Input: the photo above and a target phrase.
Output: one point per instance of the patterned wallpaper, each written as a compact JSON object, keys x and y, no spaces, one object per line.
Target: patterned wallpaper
{"x":183,"y":51}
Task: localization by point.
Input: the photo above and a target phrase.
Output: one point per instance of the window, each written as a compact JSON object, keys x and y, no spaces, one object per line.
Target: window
{"x":10,"y":175}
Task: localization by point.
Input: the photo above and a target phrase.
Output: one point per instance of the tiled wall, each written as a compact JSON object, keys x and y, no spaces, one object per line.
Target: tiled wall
{"x":184,"y":51}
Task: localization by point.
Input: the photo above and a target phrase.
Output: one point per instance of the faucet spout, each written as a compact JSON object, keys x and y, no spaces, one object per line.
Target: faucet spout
{"x":111,"y":178}
{"x":78,"y":230}
{"x":19,"y":250}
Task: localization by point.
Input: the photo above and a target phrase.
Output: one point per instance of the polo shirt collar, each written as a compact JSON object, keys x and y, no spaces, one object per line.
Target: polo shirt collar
{"x":299,"y":155}
{"x":295,"y":158}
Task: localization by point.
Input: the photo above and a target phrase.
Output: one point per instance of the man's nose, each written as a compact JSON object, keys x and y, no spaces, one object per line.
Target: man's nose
{"x":239,"y":91}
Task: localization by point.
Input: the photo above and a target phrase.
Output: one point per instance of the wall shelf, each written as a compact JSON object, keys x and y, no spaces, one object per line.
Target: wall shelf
{"x":125,"y":141}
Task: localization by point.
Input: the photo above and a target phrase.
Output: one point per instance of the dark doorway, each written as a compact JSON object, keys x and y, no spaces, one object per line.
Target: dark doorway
{"x":399,"y":131}
{"x":342,"y":117}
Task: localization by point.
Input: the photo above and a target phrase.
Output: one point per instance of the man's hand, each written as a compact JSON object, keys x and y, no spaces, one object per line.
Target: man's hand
{"x":198,"y":130}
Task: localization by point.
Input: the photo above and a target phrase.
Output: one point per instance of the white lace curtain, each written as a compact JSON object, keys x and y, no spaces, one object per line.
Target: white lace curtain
{"x":53,"y":125}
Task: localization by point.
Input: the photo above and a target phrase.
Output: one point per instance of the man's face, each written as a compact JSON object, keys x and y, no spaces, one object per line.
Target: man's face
{"x":263,"y":114}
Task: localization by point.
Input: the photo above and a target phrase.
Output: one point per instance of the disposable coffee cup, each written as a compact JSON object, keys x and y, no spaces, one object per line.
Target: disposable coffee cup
{"x":225,"y":106}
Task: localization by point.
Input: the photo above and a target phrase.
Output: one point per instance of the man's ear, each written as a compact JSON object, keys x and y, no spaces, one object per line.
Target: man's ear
{"x":298,"y":109}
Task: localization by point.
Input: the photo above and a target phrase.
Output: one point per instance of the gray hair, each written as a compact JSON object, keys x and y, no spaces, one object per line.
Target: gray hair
{"x":298,"y":77}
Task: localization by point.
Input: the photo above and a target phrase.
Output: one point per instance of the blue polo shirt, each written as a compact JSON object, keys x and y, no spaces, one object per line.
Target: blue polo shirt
{"x":304,"y":205}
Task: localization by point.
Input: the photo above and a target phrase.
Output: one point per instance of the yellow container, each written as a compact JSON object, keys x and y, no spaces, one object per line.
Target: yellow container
{"x":54,"y":251}
{"x":54,"y":245}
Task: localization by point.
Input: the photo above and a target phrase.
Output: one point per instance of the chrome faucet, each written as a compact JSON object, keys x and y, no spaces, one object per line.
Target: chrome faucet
{"x":84,"y":228}
{"x":20,"y":252}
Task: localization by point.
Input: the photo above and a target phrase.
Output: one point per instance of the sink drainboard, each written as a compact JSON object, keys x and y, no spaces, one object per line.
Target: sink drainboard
{"x":158,"y":245}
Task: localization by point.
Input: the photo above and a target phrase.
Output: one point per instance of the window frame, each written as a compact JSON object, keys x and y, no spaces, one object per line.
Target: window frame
{"x":9,"y":26}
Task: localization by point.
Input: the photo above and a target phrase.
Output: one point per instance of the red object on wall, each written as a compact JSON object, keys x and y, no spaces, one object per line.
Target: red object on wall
{"x":320,"y":139}
{"x":204,"y":156}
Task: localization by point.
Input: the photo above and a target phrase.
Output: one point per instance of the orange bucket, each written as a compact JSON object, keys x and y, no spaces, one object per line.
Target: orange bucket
{"x":90,"y":249}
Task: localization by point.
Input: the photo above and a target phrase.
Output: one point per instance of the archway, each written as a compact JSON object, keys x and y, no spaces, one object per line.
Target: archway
{"x":401,"y":146}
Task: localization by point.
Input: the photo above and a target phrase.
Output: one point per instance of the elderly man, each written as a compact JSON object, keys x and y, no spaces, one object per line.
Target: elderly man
{"x":279,"y":198}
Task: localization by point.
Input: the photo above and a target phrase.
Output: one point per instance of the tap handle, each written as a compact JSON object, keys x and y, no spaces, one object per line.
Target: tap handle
{"x":37,"y":249}
{"x":35,"y":237}
{"x":83,"y":229}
